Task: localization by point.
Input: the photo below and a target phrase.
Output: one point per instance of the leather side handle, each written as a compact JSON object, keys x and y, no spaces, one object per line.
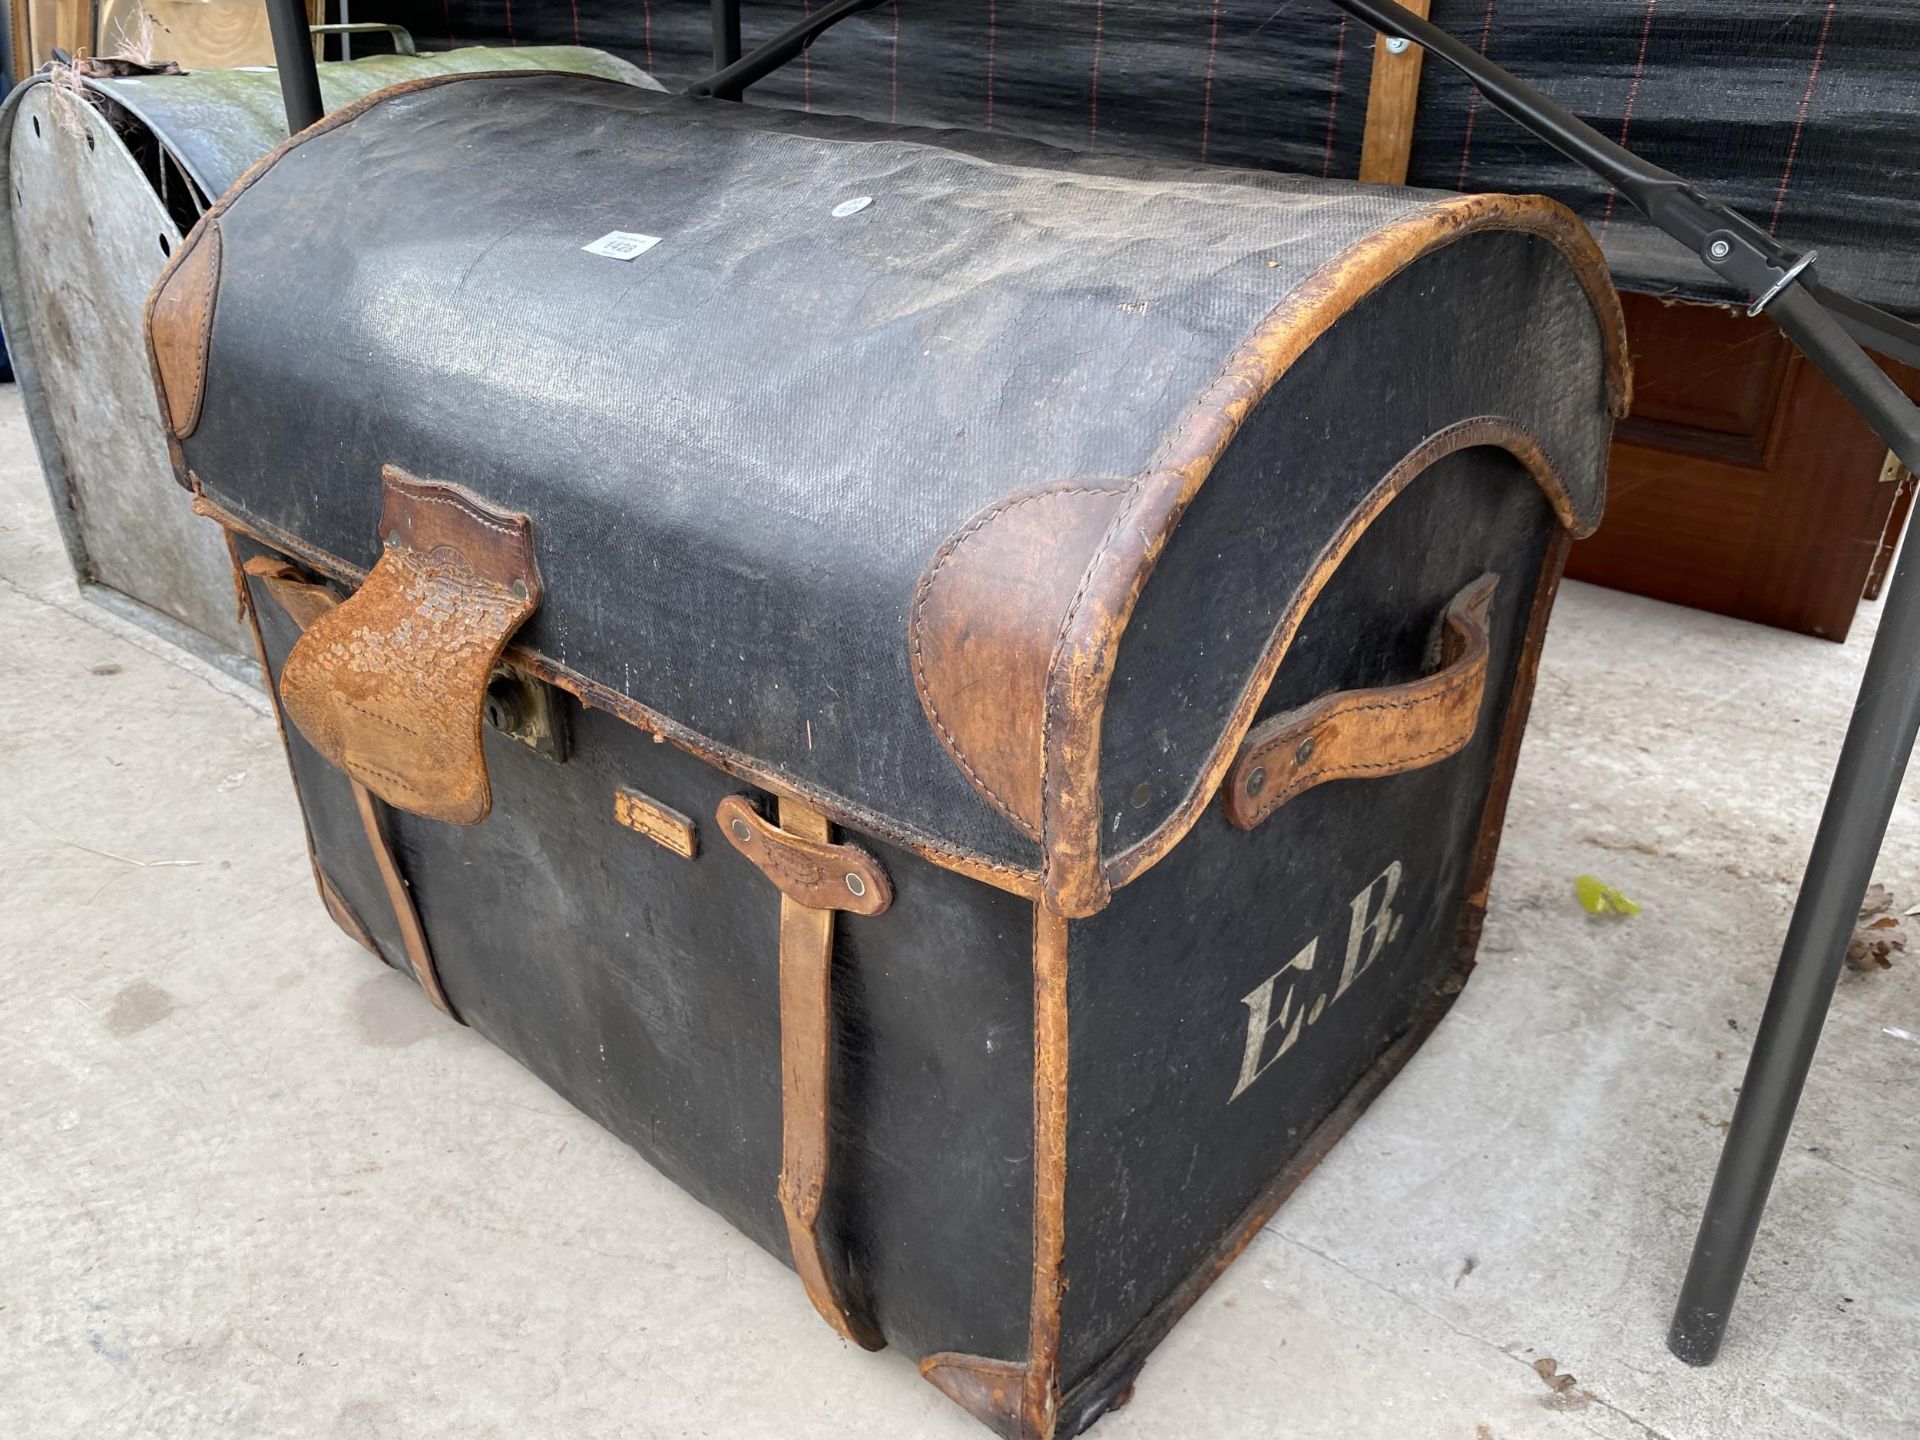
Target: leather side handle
{"x":1367,"y":734}
{"x":391,"y":685}
{"x":815,"y":878}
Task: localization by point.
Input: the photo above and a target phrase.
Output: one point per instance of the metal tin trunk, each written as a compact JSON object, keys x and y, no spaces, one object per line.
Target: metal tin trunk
{"x":101,"y":180}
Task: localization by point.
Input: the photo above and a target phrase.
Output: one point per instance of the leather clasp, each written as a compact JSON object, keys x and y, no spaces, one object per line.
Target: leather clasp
{"x":391,"y":684}
{"x":810,"y":871}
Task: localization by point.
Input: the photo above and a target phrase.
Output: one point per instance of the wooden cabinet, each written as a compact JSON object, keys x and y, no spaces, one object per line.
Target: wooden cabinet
{"x":1743,"y":482}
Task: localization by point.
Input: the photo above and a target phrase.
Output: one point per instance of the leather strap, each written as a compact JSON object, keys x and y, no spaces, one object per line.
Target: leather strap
{"x":815,"y":877}
{"x":306,"y":602}
{"x":413,"y":935}
{"x":1368,"y":734}
{"x":391,"y":685}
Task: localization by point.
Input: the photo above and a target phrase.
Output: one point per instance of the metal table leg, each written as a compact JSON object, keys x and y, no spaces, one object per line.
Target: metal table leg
{"x":1866,"y":783}
{"x":293,"y":57}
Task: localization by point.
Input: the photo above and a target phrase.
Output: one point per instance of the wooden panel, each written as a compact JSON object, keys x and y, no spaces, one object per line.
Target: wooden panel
{"x":1745,"y":484}
{"x":1896,"y":527}
{"x":200,"y":34}
{"x":1392,"y":98}
{"x":1707,"y":381}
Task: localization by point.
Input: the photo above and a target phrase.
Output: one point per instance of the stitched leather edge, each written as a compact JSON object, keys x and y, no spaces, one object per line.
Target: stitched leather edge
{"x":923,"y":593}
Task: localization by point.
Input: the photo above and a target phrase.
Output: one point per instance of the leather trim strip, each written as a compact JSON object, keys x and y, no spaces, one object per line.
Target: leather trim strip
{"x":1512,"y":733}
{"x":1076,"y":881}
{"x":1020,"y":1400}
{"x":1369,"y":734}
{"x":1042,"y":1401}
{"x":335,"y":903}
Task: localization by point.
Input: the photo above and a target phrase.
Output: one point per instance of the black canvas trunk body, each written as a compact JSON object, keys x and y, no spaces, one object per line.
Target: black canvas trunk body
{"x":958,"y":698}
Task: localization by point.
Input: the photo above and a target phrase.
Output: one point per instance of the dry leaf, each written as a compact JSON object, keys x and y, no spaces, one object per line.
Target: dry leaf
{"x":1873,"y":948}
{"x":1879,"y":934}
{"x":1546,"y":1366}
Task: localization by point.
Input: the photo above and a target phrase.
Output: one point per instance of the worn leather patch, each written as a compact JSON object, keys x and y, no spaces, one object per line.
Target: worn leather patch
{"x":1361,"y":734}
{"x":986,"y":617}
{"x":180,"y":327}
{"x":390,"y":685}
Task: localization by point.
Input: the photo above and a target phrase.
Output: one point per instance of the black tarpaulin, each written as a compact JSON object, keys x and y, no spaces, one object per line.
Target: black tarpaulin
{"x":1800,"y":113}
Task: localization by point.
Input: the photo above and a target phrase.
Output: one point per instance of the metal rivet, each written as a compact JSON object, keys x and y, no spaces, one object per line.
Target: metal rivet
{"x":1142,"y":793}
{"x":1398,"y":45}
{"x":855,"y":884}
{"x":393,"y":539}
{"x":1257,"y":781}
{"x":1304,"y":752}
{"x":519,"y":589}
{"x":1719,"y":250}
{"x":741,"y":830}
{"x":851,"y":207}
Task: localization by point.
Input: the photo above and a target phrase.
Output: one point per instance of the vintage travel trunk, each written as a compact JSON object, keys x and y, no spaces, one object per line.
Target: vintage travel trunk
{"x":958,"y":698}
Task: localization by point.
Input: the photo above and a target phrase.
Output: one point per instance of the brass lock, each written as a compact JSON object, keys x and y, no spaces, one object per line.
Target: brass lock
{"x":527,"y":709}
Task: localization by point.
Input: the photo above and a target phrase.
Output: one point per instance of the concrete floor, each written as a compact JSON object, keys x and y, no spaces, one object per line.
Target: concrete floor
{"x":252,"y":1185}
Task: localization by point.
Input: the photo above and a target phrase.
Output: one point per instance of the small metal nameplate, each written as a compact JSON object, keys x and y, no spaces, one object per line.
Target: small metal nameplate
{"x":659,"y":823}
{"x":621,"y":245}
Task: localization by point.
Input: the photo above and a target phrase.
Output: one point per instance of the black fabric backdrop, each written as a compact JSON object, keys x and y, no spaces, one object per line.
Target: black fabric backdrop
{"x":1799,"y":112}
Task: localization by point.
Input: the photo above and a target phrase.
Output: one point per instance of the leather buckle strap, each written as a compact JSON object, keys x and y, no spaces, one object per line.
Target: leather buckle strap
{"x":306,"y":603}
{"x":1368,"y":734}
{"x":815,"y":878}
{"x":391,"y":684}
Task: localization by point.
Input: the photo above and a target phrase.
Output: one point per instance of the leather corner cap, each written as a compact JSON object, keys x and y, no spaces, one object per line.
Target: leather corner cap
{"x":989,"y":1390}
{"x":986,"y":618}
{"x":179,"y":324}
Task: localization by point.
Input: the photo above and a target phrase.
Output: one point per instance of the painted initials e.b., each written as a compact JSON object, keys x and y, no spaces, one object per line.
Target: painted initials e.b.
{"x":1374,"y":922}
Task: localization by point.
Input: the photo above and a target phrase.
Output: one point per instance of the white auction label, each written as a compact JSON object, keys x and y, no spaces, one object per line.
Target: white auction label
{"x":621,"y":245}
